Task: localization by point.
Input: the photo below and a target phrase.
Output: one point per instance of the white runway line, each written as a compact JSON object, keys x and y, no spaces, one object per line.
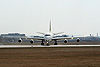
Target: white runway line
{"x":22,"y":46}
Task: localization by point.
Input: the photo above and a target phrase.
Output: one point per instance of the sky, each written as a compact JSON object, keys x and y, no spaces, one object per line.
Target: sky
{"x":73,"y":17}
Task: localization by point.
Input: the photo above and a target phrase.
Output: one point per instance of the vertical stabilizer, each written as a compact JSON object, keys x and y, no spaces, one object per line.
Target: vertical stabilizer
{"x":50,"y":26}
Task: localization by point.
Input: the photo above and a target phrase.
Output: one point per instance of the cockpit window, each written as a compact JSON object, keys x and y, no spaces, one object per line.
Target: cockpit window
{"x":47,"y":35}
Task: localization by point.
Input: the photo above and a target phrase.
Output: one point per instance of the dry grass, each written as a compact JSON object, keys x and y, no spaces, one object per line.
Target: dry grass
{"x":50,"y":57}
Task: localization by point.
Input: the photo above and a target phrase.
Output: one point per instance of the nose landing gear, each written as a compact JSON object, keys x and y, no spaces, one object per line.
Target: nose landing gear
{"x":47,"y":43}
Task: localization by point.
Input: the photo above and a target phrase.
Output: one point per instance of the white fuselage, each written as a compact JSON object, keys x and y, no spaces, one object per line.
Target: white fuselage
{"x":48,"y":37}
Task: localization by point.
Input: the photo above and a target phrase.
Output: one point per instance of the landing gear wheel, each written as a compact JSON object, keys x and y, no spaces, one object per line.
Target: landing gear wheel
{"x":42,"y":43}
{"x":55,"y":44}
{"x":47,"y":44}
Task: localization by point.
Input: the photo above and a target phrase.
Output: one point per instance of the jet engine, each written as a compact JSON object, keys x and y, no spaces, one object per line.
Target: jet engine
{"x":78,"y":40}
{"x":65,"y":41}
{"x":20,"y":40}
{"x":31,"y":41}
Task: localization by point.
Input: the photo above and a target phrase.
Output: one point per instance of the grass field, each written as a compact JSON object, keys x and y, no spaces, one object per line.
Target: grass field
{"x":50,"y":57}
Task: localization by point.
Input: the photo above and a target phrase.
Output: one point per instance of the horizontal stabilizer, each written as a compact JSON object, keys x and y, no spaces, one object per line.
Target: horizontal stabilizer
{"x":58,"y":33}
{"x":41,"y":33}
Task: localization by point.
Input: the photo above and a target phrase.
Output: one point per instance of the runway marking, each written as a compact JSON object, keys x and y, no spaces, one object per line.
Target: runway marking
{"x":23,"y":46}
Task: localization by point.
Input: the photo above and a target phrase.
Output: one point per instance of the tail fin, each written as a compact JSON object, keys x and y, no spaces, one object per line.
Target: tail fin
{"x":50,"y":26}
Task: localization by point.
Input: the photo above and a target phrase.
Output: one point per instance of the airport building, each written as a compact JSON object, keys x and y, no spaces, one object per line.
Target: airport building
{"x":13,"y":35}
{"x":10,"y":37}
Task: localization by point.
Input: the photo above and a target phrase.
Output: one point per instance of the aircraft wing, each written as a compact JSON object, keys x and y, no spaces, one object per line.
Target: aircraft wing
{"x":35,"y":38}
{"x":62,"y":38}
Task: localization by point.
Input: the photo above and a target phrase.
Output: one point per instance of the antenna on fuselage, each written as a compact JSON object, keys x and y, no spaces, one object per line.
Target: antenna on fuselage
{"x":50,"y":26}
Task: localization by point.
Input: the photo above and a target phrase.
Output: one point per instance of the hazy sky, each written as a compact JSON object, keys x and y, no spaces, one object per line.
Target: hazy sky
{"x":75,"y":17}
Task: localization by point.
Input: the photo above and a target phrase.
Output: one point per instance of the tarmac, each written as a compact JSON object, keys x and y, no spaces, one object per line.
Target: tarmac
{"x":34,"y":46}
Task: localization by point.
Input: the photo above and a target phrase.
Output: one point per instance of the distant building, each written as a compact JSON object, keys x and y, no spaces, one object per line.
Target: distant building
{"x":13,"y":35}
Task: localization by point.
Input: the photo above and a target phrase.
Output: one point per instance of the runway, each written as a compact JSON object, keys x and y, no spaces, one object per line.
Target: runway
{"x":33,"y":46}
{"x":50,"y":56}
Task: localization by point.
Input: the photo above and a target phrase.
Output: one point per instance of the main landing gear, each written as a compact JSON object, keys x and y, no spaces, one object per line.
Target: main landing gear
{"x":55,"y":42}
{"x":42,"y":43}
{"x":47,"y":43}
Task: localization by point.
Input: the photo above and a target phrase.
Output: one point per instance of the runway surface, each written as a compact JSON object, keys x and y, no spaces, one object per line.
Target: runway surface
{"x":25,"y":46}
{"x":50,"y":56}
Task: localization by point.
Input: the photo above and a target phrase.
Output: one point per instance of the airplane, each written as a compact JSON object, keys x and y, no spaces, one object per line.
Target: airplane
{"x":48,"y":37}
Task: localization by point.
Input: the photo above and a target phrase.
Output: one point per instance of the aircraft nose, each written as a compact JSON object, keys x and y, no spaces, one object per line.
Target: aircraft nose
{"x":47,"y":39}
